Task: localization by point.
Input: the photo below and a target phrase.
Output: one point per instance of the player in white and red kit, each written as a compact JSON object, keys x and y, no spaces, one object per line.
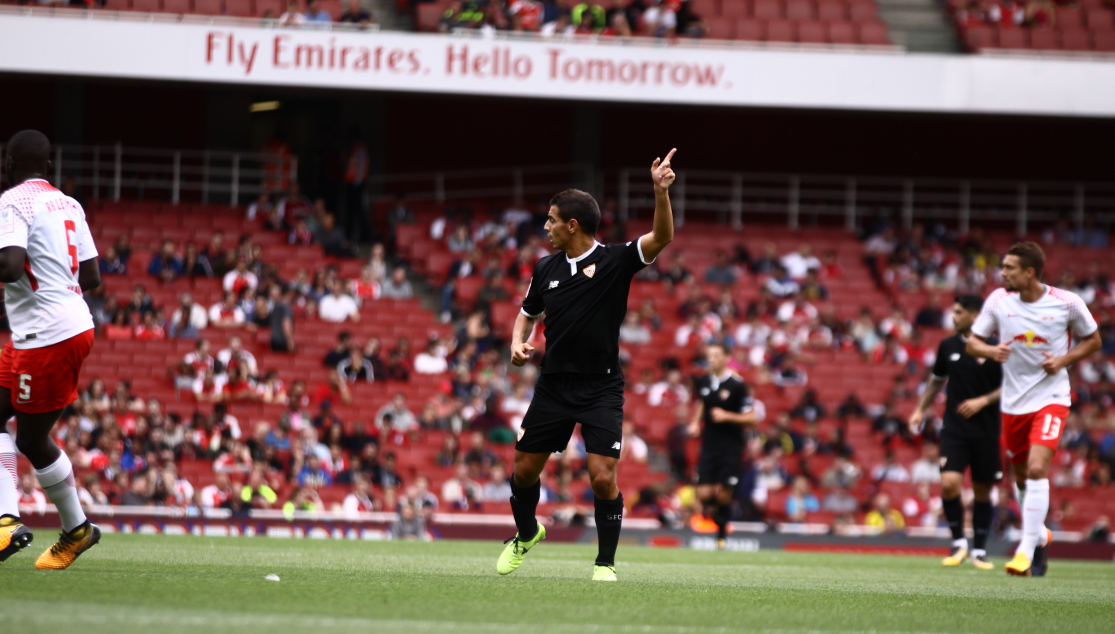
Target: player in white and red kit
{"x":47,"y":260}
{"x":1036,"y":325}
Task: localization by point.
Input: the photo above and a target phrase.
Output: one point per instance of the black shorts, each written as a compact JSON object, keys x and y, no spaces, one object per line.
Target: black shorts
{"x":982,"y":454}
{"x":719,"y":466}
{"x":561,"y":401}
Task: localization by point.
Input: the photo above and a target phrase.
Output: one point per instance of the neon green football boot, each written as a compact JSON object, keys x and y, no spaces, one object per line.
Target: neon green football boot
{"x":512,"y":556}
{"x":603,"y":573}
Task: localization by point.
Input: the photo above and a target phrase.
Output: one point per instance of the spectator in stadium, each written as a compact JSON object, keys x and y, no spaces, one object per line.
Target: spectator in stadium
{"x":402,"y":419}
{"x":780,"y":284}
{"x":149,"y":329}
{"x":194,"y":263}
{"x":799,"y":263}
{"x":721,"y":271}
{"x":927,"y":468}
{"x":357,"y":14}
{"x":313,"y":474}
{"x":479,"y":458}
{"x":840,"y":501}
{"x":884,"y":518}
{"x":359,"y":500}
{"x":111,"y":264}
{"x":931,"y":315}
{"x":190,"y":313}
{"x":356,"y":368}
{"x":316,"y":14}
{"x":31,"y":499}
{"x":633,"y":331}
{"x":432,"y":359}
{"x":291,"y":17}
{"x":842,"y":473}
{"x":808,"y":408}
{"x":409,"y":526}
{"x":669,"y":392}
{"x":256,"y":493}
{"x":340,"y":350}
{"x":801,"y":500}
{"x":226,"y":313}
{"x":659,"y":20}
{"x":236,"y":356}
{"x":166,"y":264}
{"x":461,"y":491}
{"x":890,"y":470}
{"x":812,"y":289}
{"x":92,"y":494}
{"x":398,"y":287}
{"x":498,"y":489}
{"x":214,"y":495}
{"x":338,"y":306}
{"x":922,"y":508}
{"x":138,"y":494}
{"x":240,"y":278}
{"x":689,"y":23}
{"x":332,"y":238}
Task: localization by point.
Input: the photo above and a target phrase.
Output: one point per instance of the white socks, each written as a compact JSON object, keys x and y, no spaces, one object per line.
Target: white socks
{"x":9,"y":478}
{"x":57,"y":481}
{"x":1034,"y":510}
{"x":960,"y":543}
{"x":979,"y":552}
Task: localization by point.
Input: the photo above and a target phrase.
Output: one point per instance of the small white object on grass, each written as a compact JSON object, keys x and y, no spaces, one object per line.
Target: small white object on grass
{"x":272,"y":577}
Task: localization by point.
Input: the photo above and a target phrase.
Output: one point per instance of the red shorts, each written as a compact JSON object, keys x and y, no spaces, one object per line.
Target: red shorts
{"x":1043,"y":427}
{"x":44,"y":379}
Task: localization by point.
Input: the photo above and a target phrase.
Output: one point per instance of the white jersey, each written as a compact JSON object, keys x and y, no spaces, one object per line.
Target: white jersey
{"x":45,"y":306}
{"x":1045,"y":325}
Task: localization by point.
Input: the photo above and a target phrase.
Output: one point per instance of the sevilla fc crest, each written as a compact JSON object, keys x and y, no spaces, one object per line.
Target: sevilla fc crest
{"x":590,"y":270}
{"x":724,"y":394}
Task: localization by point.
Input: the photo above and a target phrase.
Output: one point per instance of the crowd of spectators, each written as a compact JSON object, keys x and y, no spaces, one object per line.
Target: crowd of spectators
{"x":622,"y":18}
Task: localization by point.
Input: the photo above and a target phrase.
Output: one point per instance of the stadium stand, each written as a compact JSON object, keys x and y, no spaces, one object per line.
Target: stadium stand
{"x":1081,"y":27}
{"x":856,"y":344}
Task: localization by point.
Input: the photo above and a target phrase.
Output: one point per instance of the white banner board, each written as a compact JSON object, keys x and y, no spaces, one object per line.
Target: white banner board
{"x":556,"y":69}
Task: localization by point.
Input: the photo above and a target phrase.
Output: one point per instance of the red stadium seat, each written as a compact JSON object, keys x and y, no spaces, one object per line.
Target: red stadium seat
{"x":332,"y":7}
{"x":1100,"y":19}
{"x":873,"y":33}
{"x":800,"y":10}
{"x":276,"y":7}
{"x":1069,"y":18}
{"x":832,"y":11}
{"x":429,"y":15}
{"x":150,"y":6}
{"x":766,"y":9}
{"x":734,"y":8}
{"x":978,"y":37}
{"x":842,"y":33}
{"x":721,"y":29}
{"x":117,"y":5}
{"x":240,"y":8}
{"x":863,"y":11}
{"x":1104,"y":41}
{"x":176,"y":6}
{"x":781,"y":31}
{"x":751,"y":30}
{"x":1076,"y":40}
{"x":707,"y":9}
{"x":1014,"y":38}
{"x":812,"y":32}
{"x":208,"y":7}
{"x":1045,"y":39}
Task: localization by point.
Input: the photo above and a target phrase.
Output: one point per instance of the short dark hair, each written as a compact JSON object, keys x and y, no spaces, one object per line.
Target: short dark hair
{"x":1030,"y":256}
{"x":719,"y":344}
{"x":574,"y":204}
{"x":970,"y":302}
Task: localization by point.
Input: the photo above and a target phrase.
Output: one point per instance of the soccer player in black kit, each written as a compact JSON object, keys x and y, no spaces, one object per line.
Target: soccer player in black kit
{"x":970,"y":436}
{"x":582,"y":289}
{"x":726,"y":407}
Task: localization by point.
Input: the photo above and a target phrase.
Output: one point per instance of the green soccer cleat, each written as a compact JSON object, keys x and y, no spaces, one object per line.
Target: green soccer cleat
{"x":512,"y":556}
{"x":603,"y":573}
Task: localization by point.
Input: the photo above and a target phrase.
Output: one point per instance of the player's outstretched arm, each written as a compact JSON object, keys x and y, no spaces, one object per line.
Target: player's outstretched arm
{"x":932,"y":389}
{"x":520,"y":349}
{"x":978,"y":347}
{"x":1082,"y":350}
{"x":663,"y":231}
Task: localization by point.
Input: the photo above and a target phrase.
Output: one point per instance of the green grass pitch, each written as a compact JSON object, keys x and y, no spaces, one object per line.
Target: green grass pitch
{"x":162,"y":584}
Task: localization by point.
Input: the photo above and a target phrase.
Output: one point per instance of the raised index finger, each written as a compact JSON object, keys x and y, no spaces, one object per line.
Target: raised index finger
{"x":670,"y":155}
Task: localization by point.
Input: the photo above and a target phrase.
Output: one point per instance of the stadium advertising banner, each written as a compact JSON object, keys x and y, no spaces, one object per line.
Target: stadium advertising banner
{"x":555,"y":69}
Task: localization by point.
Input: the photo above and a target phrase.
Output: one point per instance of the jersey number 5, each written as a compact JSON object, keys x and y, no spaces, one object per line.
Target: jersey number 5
{"x":1051,"y":428}
{"x":71,"y":244}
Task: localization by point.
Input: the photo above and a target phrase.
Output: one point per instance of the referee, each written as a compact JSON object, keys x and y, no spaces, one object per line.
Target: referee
{"x":582,"y":290}
{"x":725,"y":407}
{"x":970,"y":437}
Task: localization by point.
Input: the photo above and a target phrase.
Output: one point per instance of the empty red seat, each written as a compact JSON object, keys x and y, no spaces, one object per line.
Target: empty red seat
{"x":1069,"y":18}
{"x":873,"y":33}
{"x":707,"y":9}
{"x":1076,"y":40}
{"x":117,"y":5}
{"x":240,"y":8}
{"x":1045,"y":39}
{"x":207,"y":7}
{"x":766,"y":9}
{"x":842,"y":33}
{"x":276,"y":7}
{"x":800,"y":10}
{"x":332,"y":7}
{"x":1014,"y":38}
{"x":832,"y":11}
{"x":977,"y":37}
{"x":1100,"y":19}
{"x":863,"y":11}
{"x":721,"y":29}
{"x":780,"y":31}
{"x":812,"y":32}
{"x":751,"y":30}
{"x":734,"y":8}
{"x":429,"y":15}
{"x":1103,"y":41}
{"x":152,"y":6}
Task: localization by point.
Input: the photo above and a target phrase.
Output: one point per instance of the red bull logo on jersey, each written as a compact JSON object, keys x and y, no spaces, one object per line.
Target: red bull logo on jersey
{"x":1031,"y":339}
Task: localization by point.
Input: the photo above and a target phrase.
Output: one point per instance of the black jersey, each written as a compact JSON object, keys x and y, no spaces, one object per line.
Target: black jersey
{"x":584,"y":299}
{"x":729,"y":394}
{"x":968,"y":377}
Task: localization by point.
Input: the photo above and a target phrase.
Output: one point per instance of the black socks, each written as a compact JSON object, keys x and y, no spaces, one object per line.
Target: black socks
{"x":524,"y":502}
{"x":609,"y":516}
{"x":981,"y":523}
{"x":720,"y":516}
{"x":954,"y":513}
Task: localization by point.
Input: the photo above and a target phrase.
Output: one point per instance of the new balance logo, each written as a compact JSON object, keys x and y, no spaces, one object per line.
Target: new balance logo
{"x":615,"y":446}
{"x":553,"y":284}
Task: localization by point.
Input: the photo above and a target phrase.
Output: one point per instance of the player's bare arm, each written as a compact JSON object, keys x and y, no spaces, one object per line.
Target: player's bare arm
{"x":89,"y":274}
{"x":695,"y":421}
{"x":11,"y":264}
{"x":1083,"y":349}
{"x":662,"y":232}
{"x":973,"y":406}
{"x":720,"y":415}
{"x":932,"y":389}
{"x":520,"y":349}
{"x":978,"y":347}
